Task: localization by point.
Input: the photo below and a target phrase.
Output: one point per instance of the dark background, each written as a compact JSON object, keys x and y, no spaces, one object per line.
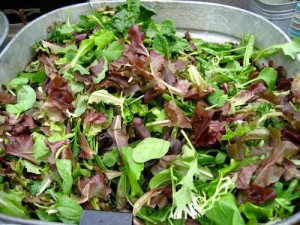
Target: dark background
{"x":43,"y":5}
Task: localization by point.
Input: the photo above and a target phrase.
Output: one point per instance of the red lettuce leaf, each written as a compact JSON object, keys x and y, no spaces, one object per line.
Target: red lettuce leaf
{"x":269,"y":170}
{"x":259,"y":195}
{"x":175,"y":114}
{"x":20,"y":146}
{"x":60,"y":98}
{"x":142,"y":131}
{"x":6,"y":98}
{"x":66,"y":152}
{"x":87,"y":152}
{"x":96,"y":186}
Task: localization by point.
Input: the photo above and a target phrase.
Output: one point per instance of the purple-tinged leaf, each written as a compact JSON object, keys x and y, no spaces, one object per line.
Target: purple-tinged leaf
{"x":175,"y":114}
{"x":117,"y":133}
{"x":20,"y":146}
{"x":269,"y":171}
{"x":259,"y":195}
{"x":142,"y":131}
{"x":96,"y":186}
{"x":87,"y":152}
{"x":244,"y":176}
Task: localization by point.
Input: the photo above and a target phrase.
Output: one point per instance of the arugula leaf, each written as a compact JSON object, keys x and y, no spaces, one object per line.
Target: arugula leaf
{"x":249,"y":50}
{"x":67,"y":28}
{"x":85,"y":46}
{"x":26,"y":98}
{"x":167,"y":28}
{"x":150,"y":148}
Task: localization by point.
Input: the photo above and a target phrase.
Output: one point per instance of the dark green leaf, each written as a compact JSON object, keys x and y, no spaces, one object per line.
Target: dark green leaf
{"x":35,"y":77}
{"x":161,"y":45}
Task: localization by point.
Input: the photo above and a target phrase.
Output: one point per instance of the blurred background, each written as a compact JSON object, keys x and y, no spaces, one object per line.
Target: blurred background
{"x":19,"y":12}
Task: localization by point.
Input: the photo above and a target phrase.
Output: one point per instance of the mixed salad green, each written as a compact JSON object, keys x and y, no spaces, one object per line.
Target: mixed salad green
{"x":117,"y":113}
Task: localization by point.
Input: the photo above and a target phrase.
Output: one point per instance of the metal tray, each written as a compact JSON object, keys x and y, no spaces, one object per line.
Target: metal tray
{"x":4,"y":28}
{"x":210,"y":21}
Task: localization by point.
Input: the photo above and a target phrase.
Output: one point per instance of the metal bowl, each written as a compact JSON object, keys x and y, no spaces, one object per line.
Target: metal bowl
{"x":209,"y":21}
{"x":4,"y":27}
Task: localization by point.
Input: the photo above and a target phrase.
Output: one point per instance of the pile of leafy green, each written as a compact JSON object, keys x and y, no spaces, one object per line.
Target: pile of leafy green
{"x":117,"y":113}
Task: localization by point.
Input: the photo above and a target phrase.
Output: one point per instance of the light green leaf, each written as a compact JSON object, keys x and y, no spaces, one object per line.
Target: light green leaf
{"x":101,"y":75}
{"x":249,"y":51}
{"x":104,"y":96}
{"x":82,"y":70}
{"x":150,"y":148}
{"x":102,"y":38}
{"x":160,"y":179}
{"x":69,"y":210}
{"x":85,"y":46}
{"x":133,"y":171}
{"x":17,"y":82}
{"x":64,"y":168}
{"x":40,"y":149}
{"x":26,"y":98}
{"x":81,"y":104}
{"x":30,"y":167}
{"x":225,"y":212}
{"x":113,"y":51}
{"x":11,"y":202}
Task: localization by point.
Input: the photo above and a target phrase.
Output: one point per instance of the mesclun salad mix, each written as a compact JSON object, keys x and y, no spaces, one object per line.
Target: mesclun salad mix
{"x":117,"y":113}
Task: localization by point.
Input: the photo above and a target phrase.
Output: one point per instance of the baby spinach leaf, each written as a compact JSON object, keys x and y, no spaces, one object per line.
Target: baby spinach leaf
{"x":113,"y":51}
{"x":217,"y":99}
{"x":133,"y":171}
{"x":11,"y":202}
{"x":160,"y":44}
{"x":26,"y":98}
{"x":225,"y":212}
{"x":64,"y":168}
{"x":161,"y":178}
{"x":81,"y":105}
{"x":150,"y":148}
{"x":35,"y":77}
{"x":17,"y":82}
{"x":268,"y":75}
{"x":69,"y":210}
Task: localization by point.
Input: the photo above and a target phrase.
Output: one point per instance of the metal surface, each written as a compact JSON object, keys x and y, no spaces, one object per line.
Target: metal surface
{"x":95,"y":217}
{"x":209,"y":21}
{"x":279,"y":12}
{"x":4,"y":27}
{"x":276,"y":6}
